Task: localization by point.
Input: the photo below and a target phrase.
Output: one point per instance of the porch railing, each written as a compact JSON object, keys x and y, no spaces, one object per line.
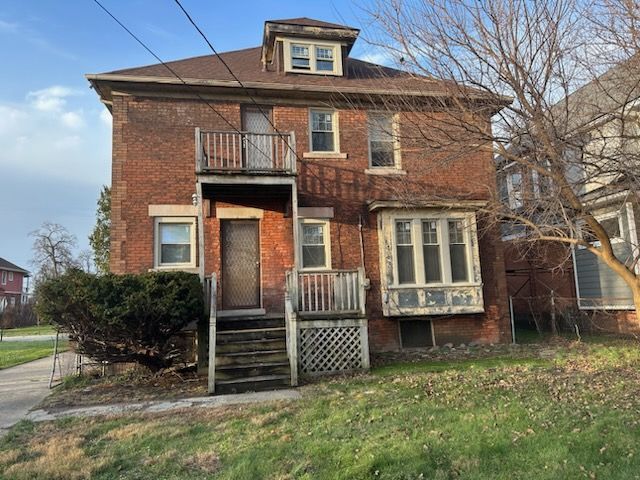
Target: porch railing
{"x":245,"y":152}
{"x":326,"y":292}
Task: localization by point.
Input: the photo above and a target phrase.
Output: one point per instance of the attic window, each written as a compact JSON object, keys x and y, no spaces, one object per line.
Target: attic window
{"x":310,"y":57}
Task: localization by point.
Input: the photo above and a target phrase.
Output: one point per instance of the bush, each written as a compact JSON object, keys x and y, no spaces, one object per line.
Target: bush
{"x":123,"y":318}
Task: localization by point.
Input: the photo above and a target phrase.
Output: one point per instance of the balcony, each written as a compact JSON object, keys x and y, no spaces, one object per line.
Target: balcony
{"x":245,"y":153}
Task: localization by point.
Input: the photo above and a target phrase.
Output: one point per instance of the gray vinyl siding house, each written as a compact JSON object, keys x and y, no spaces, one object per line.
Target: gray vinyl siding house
{"x":597,"y":286}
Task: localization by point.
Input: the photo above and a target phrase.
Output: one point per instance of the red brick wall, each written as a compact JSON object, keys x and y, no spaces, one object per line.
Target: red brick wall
{"x":153,"y":163}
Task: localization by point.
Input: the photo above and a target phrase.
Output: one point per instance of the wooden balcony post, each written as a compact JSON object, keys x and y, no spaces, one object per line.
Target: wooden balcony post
{"x":362,"y":294}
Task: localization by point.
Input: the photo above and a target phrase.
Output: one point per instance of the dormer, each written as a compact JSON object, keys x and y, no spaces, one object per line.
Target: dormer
{"x":307,"y":46}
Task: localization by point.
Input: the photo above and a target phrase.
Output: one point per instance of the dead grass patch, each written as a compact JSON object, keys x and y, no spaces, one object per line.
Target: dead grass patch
{"x":56,"y":458}
{"x":130,"y":431}
{"x":208,"y":462}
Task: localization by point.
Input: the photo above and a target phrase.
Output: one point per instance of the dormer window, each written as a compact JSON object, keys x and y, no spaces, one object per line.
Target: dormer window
{"x":321,"y":58}
{"x":300,"y":57}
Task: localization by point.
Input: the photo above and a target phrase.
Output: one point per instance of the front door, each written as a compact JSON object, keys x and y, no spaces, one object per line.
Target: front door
{"x":258,"y":147}
{"x":240,"y":264}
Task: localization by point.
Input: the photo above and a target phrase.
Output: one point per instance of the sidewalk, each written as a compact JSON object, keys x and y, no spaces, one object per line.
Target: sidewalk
{"x":166,"y":405}
{"x":24,"y":386}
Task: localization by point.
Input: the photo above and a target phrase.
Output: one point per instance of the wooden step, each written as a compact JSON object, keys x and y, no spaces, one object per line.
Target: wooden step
{"x":251,"y":370}
{"x":248,"y":323}
{"x":253,"y":384}
{"x":244,"y":358}
{"x":251,"y":345}
{"x":229,"y":336}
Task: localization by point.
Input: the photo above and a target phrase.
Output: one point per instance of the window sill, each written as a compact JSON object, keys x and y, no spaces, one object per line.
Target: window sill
{"x":385,"y":171}
{"x":188,"y":269}
{"x":325,"y":155}
{"x":435,"y":285}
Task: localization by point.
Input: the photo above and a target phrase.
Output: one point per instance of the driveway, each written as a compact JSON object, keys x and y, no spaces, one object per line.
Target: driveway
{"x":24,"y":386}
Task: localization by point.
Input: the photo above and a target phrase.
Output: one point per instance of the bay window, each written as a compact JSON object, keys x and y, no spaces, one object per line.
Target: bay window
{"x":433,"y":250}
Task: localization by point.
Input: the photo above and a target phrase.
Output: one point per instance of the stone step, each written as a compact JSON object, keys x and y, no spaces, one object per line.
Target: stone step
{"x":253,"y":384}
{"x":230,"y":336}
{"x":248,"y":323}
{"x":244,"y":358}
{"x":251,"y":345}
{"x":250,"y":370}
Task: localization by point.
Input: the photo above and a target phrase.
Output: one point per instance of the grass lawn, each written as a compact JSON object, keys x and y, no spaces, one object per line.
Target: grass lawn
{"x":35,"y":330}
{"x":564,"y":411}
{"x":15,"y":353}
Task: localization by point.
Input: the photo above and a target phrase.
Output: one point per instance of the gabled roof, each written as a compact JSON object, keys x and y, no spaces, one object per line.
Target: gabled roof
{"x":310,"y":22}
{"x":7,"y":265}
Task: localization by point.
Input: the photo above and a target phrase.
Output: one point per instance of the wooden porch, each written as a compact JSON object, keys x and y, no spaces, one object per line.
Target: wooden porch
{"x":323,"y":330}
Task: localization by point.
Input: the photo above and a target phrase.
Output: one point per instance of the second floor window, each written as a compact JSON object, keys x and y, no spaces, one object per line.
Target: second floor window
{"x":11,"y":276}
{"x":514,"y":189}
{"x":4,"y":277}
{"x":382,"y":144}
{"x":323,"y":131}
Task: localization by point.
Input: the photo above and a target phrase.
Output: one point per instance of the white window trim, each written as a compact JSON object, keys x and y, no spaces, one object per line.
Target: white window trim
{"x":397,"y":157}
{"x":470,"y":233}
{"x":336,"y":129}
{"x":4,"y":277}
{"x":516,"y":197}
{"x":156,"y":243}
{"x":11,"y":276}
{"x":606,"y":216}
{"x":327,"y":242}
{"x":337,"y":56}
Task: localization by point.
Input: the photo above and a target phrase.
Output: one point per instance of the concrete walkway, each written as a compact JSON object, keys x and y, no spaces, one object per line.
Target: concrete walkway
{"x":24,"y":386}
{"x":166,"y":406}
{"x":34,"y":338}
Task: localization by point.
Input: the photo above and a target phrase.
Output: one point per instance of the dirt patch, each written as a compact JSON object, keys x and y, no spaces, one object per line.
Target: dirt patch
{"x":130,"y":387}
{"x":208,"y":462}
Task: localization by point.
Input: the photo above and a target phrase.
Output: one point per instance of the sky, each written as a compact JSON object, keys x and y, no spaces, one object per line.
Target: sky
{"x":55,"y":135}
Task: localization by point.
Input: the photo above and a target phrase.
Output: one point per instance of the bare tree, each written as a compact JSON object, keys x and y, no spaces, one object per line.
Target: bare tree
{"x":561,"y":80}
{"x":53,"y":247}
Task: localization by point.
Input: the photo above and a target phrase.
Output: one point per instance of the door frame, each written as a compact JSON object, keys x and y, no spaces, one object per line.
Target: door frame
{"x":259,"y":310}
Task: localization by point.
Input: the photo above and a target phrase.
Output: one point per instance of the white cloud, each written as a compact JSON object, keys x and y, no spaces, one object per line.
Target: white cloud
{"x":379,"y":57}
{"x":51,"y":135}
{"x":73,"y":119}
{"x":106,"y":118}
{"x":51,"y":98}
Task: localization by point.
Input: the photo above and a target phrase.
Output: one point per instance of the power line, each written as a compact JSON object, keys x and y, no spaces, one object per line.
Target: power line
{"x":235,"y":77}
{"x":184,"y":82}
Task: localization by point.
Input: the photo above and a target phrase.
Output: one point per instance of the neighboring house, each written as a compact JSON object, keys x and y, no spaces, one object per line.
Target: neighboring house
{"x":604,"y":114}
{"x":12,"y":284}
{"x":289,"y":190}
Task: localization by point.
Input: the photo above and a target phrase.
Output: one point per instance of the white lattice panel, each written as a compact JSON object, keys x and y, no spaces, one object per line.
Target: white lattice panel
{"x":330,"y":349}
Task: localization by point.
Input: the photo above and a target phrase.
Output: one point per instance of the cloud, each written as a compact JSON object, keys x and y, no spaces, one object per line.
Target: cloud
{"x":73,"y":119}
{"x":50,"y":134}
{"x":379,"y":57}
{"x":51,"y":99}
{"x":106,"y":118}
{"x":31,"y":36}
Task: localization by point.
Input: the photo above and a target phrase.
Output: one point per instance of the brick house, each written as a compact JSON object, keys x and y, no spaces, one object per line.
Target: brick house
{"x":11,"y":284}
{"x":287,"y":189}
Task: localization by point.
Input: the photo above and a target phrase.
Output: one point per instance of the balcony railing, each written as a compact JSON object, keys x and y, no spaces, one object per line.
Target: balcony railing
{"x":328,"y":292}
{"x":245,"y":152}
